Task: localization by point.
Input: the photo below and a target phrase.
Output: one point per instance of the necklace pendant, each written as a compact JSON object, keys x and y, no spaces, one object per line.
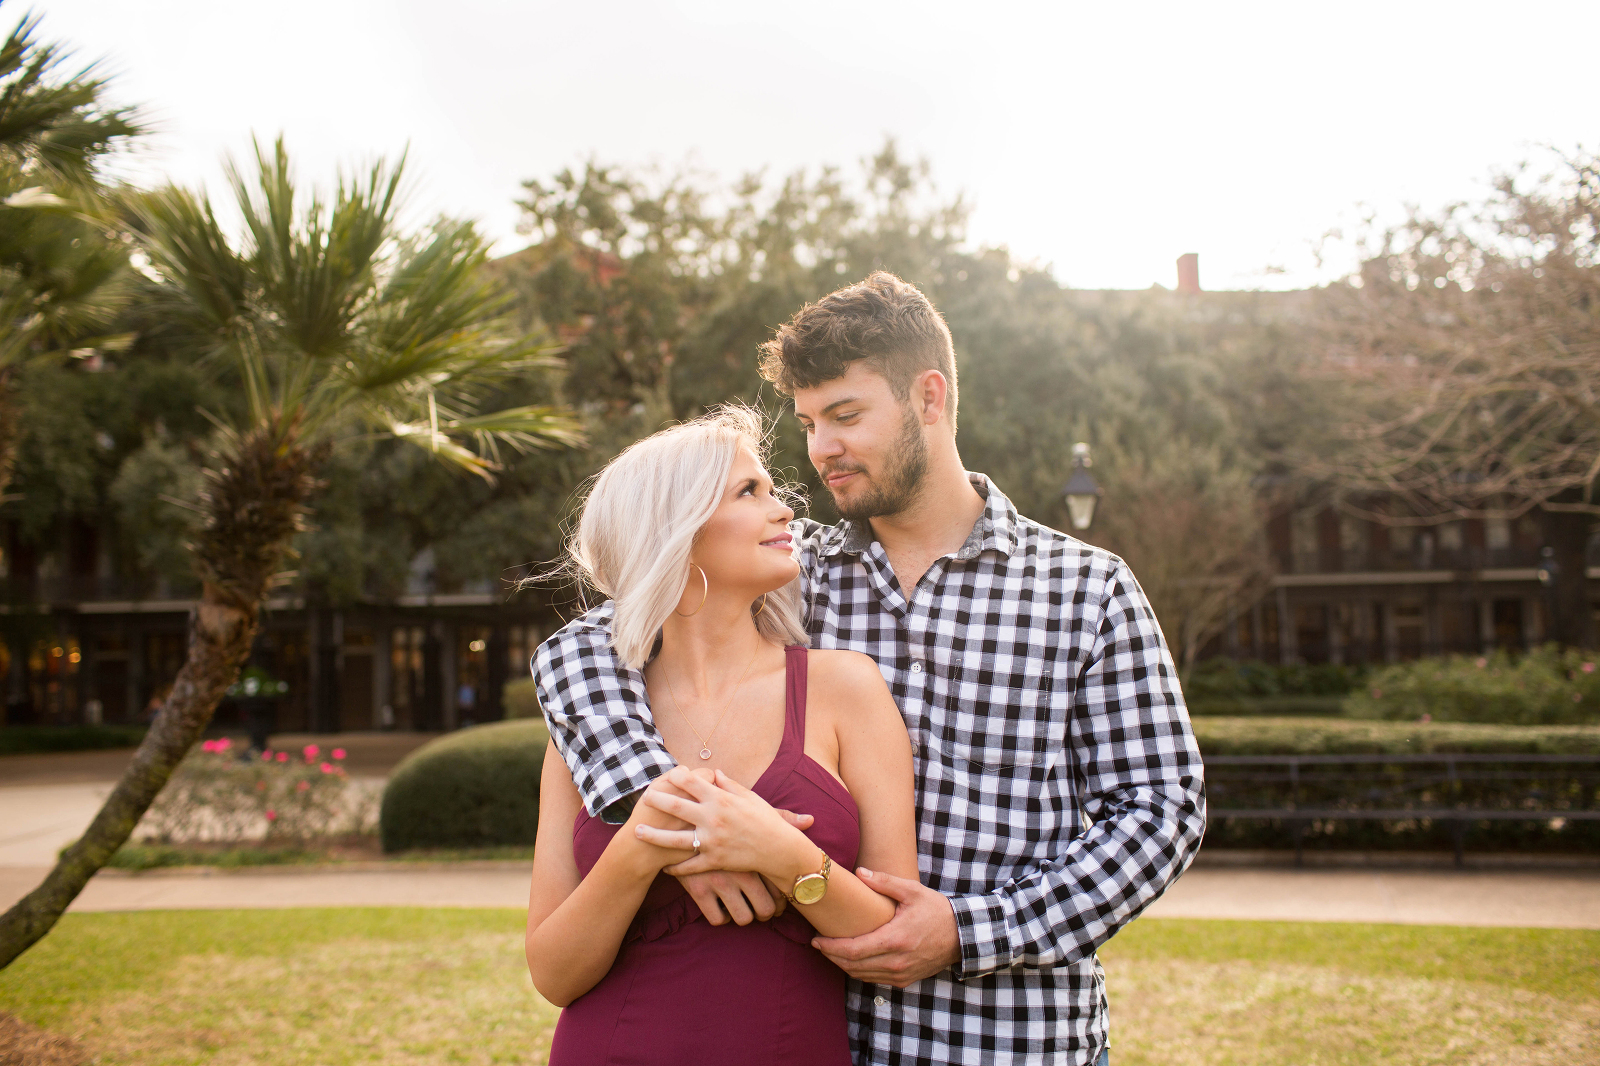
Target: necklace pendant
{"x":705,"y":753}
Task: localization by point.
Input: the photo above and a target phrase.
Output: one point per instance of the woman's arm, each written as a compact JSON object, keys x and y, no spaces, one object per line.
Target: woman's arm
{"x":875,"y":758}
{"x":576,"y":924}
{"x":739,"y":830}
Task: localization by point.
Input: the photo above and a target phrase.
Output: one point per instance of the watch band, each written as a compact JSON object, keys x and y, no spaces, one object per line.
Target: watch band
{"x":810,"y":888}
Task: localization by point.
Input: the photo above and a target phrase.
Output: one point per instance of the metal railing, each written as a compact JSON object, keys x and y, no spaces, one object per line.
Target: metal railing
{"x":1458,"y":789}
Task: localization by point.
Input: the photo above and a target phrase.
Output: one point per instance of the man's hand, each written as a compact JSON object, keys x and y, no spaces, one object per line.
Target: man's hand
{"x":918,"y":942}
{"x":739,"y":897}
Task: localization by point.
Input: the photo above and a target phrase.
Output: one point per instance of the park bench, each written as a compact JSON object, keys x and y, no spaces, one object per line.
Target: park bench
{"x":1306,"y":791}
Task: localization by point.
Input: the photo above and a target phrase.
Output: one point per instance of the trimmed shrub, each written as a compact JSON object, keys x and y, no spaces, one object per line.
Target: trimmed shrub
{"x":1547,"y":686}
{"x":520,"y":699}
{"x":1341,"y":736}
{"x":35,"y":739}
{"x":1270,"y":706}
{"x":477,"y":787}
{"x":1223,"y":679}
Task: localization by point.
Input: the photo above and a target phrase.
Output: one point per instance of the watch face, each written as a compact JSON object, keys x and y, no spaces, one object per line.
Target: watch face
{"x":810,"y":888}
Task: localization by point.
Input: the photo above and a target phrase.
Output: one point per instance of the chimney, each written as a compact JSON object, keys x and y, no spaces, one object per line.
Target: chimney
{"x":1189,"y":273}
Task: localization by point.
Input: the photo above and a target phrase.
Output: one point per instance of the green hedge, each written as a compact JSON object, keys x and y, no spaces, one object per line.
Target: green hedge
{"x":1343,"y":736}
{"x":37,"y":739}
{"x":1271,"y":706}
{"x":477,"y":787}
{"x":1221,"y":679}
{"x":520,"y":699}
{"x":1547,"y":686}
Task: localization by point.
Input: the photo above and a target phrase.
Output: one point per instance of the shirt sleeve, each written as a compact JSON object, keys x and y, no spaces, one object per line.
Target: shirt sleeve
{"x":1143,"y":788}
{"x":599,"y":716}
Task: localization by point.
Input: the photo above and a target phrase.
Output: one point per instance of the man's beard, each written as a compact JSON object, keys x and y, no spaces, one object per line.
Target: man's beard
{"x":896,"y":484}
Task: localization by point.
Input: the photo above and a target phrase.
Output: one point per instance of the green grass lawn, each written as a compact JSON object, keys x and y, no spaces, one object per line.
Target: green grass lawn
{"x":403,"y":986}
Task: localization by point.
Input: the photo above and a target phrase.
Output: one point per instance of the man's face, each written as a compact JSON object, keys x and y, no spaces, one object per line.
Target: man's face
{"x":866,"y":444}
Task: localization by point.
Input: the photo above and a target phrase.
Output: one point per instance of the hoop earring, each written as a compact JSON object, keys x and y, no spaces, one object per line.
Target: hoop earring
{"x":707,"y":585}
{"x":763,"y":606}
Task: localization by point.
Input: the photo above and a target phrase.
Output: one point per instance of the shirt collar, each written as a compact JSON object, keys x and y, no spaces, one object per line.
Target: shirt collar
{"x":995,"y":529}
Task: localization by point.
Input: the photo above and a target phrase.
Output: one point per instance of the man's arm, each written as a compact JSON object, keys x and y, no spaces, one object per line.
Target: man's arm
{"x":1143,"y":802}
{"x":599,"y":716}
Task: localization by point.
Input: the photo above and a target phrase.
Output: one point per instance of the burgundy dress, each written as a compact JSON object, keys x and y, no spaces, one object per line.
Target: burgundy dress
{"x":685,"y":992}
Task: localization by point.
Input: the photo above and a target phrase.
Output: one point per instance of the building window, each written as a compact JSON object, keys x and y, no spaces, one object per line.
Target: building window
{"x":406,"y":676}
{"x":1352,"y":542}
{"x":1303,"y":541}
{"x":1497,"y":534}
{"x":521,"y":642}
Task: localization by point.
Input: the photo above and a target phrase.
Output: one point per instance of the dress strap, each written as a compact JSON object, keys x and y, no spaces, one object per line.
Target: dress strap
{"x":794,"y":704}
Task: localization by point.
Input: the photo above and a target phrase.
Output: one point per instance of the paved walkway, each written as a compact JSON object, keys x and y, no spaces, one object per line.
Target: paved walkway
{"x":1562,"y":900}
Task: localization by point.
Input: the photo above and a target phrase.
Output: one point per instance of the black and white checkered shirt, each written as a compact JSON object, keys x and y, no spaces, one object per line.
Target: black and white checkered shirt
{"x":1059,"y":789}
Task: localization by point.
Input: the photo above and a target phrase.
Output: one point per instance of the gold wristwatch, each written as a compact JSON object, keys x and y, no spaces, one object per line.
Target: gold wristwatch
{"x":810,"y":888}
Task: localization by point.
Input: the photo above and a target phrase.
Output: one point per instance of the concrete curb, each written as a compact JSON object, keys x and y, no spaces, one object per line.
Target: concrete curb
{"x":290,"y":869}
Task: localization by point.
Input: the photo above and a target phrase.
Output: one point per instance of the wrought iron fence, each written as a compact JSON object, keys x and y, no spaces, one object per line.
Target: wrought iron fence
{"x":1493,"y":802}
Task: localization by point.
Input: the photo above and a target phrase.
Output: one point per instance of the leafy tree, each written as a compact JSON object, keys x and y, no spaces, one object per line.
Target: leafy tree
{"x":63,"y":274}
{"x":1468,"y":344}
{"x":663,"y":299}
{"x":337,"y":326}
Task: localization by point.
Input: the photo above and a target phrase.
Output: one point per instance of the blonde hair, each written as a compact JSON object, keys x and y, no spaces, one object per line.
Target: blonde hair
{"x":642,"y":516}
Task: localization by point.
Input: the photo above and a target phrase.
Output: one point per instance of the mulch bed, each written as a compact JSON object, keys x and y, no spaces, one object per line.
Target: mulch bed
{"x":22,"y":1044}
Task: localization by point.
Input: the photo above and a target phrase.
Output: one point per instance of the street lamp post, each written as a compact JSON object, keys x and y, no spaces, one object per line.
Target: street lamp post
{"x":1081,"y":490}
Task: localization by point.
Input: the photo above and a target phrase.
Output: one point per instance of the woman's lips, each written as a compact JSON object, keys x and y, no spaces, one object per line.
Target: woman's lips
{"x":783,"y":541}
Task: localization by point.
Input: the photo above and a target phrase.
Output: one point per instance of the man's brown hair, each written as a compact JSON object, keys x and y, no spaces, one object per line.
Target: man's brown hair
{"x":882,"y":320}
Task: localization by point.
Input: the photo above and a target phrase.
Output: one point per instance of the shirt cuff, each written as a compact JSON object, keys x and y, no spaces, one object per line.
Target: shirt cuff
{"x":611,"y":788}
{"x":982,"y":923}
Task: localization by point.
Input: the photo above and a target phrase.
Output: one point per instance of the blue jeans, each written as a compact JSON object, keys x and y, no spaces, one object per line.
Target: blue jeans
{"x":1104,"y":1059}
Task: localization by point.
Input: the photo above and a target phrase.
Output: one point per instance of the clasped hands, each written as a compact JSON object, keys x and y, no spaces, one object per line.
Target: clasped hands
{"x":735,"y":828}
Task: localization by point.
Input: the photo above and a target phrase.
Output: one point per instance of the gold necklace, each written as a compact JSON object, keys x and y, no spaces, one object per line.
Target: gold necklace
{"x":705,"y":741}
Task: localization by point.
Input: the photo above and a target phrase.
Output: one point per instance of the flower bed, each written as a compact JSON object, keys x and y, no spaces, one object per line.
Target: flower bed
{"x":216,"y":795}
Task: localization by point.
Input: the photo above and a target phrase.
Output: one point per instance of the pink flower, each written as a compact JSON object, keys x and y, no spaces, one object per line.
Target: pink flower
{"x":1588,"y":668}
{"x":338,"y":753}
{"x":1426,"y":718}
{"x":327,"y":767}
{"x":283,"y":756}
{"x":207,"y":745}
{"x":1377,"y":693}
{"x":261,"y":786}
{"x":301,"y":786}
{"x":224,"y":744}
{"x":311,"y":751}
{"x":272,"y":815}
{"x":1482,"y":663}
{"x":266,"y":756}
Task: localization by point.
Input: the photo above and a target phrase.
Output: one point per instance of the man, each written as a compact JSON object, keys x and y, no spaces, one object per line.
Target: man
{"x":1059,"y":789}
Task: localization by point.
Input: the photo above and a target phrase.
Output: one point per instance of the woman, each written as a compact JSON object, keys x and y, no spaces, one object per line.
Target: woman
{"x":684,"y":533}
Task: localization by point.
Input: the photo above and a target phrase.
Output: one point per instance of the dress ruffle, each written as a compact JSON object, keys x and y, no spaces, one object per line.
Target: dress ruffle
{"x":669,"y":918}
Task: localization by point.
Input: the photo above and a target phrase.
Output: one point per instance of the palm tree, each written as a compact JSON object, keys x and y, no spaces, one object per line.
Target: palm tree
{"x":335,"y":325}
{"x":62,"y":276}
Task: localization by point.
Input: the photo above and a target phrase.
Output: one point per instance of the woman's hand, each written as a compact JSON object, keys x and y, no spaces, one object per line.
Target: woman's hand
{"x":648,"y":816}
{"x":737,"y":829}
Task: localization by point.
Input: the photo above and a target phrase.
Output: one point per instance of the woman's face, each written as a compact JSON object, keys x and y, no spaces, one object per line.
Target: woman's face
{"x":745,"y":546}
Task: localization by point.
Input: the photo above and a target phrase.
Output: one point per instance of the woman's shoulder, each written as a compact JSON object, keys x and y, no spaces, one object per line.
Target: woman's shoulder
{"x":838,"y":666}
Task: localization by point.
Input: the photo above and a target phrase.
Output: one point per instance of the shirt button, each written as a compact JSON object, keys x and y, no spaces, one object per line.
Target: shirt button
{"x":916,"y":666}
{"x":878,"y":1001}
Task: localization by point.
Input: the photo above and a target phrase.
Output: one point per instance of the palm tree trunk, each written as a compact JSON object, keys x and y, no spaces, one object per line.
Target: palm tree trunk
{"x":254,"y":503}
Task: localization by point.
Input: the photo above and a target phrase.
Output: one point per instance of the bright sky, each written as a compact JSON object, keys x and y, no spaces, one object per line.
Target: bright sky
{"x":1102,"y":139}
